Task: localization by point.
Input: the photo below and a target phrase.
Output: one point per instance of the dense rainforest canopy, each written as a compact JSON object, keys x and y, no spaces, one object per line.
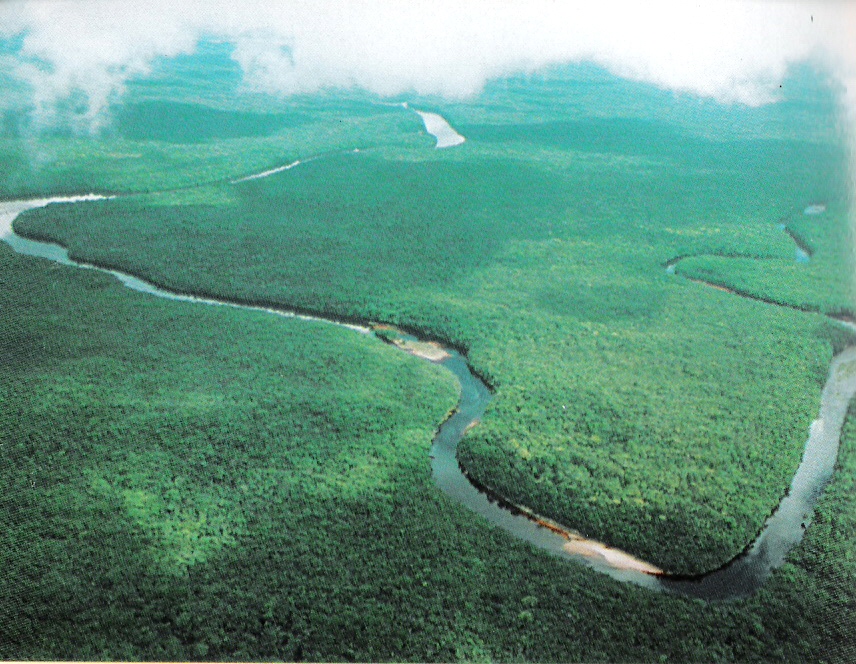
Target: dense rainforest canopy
{"x":191,"y":482}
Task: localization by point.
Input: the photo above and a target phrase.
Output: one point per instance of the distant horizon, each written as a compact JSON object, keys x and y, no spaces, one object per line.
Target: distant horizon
{"x":733,"y":52}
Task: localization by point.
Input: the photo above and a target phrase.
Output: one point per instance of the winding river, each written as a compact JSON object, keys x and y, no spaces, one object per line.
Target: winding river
{"x":739,"y":578}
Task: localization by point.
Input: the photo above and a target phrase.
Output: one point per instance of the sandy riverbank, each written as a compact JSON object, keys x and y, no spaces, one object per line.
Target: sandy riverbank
{"x":429,"y":350}
{"x":615,"y":558}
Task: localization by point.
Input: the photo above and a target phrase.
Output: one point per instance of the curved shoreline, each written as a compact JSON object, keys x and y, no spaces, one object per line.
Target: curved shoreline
{"x":738,"y":578}
{"x":439,"y":128}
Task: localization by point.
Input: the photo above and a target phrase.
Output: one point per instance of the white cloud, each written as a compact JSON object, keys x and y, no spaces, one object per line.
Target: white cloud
{"x":731,"y":51}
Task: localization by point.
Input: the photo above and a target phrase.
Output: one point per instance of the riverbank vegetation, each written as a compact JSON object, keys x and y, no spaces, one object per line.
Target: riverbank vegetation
{"x":643,"y":410}
{"x":823,"y":283}
{"x":170,"y":498}
{"x":264,"y":485}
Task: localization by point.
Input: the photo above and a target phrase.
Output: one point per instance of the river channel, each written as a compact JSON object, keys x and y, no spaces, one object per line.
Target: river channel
{"x":739,"y":578}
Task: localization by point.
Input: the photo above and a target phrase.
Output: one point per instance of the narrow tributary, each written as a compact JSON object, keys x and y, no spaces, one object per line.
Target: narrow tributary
{"x":739,"y":578}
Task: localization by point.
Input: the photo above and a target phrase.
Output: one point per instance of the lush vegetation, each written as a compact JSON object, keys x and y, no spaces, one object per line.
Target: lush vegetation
{"x":641,"y":409}
{"x":183,"y":126}
{"x":825,"y":283}
{"x":189,"y":482}
{"x":168,"y":498}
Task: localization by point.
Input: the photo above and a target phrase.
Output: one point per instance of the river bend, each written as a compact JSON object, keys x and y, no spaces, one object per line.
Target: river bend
{"x":739,"y":578}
